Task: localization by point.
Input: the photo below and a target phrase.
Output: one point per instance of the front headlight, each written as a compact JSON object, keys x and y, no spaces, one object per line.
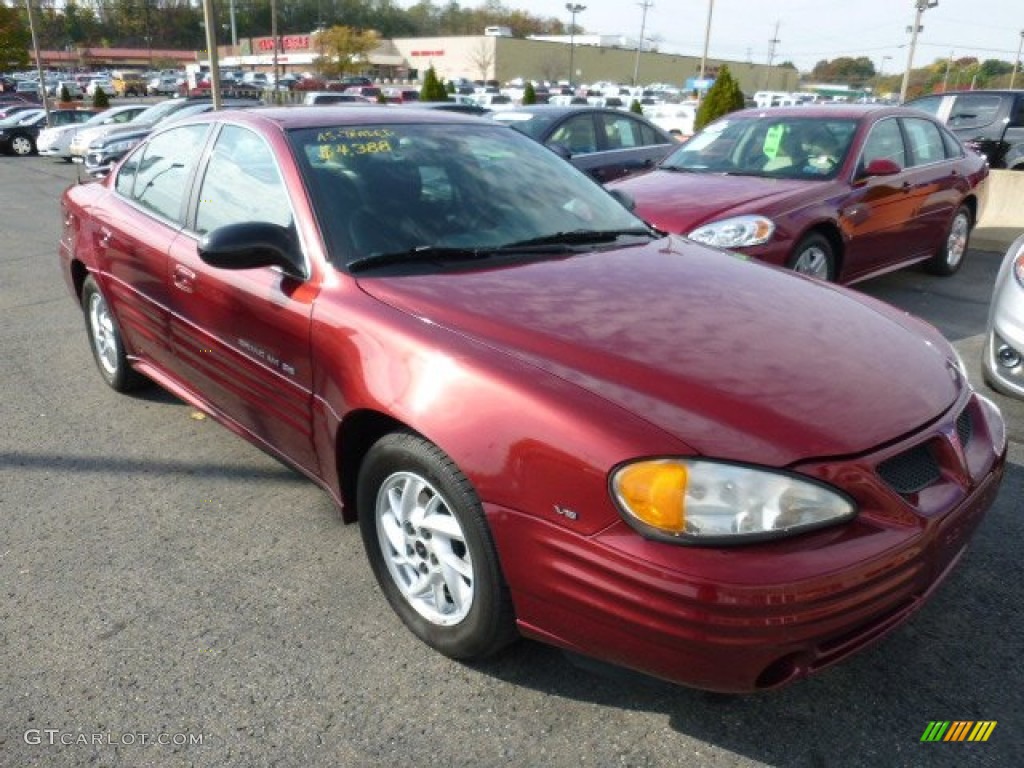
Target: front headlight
{"x":737,"y":232}
{"x":707,"y":502}
{"x":1018,"y":268}
{"x":117,"y":146}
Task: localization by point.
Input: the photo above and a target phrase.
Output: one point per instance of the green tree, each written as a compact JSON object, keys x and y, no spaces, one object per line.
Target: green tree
{"x":65,"y":94}
{"x":635,"y":107}
{"x":529,"y":94}
{"x":15,"y":40}
{"x":723,"y":97}
{"x":100,"y":99}
{"x":433,"y":89}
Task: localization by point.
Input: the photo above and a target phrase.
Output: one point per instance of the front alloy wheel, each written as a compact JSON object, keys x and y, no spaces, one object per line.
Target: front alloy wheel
{"x":430,"y":548}
{"x":814,"y":256}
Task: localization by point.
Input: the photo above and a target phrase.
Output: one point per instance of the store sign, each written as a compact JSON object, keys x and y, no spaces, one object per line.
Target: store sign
{"x":427,"y":53}
{"x":288,"y":43}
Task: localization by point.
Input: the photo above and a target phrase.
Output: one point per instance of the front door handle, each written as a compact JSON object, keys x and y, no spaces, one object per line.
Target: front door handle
{"x":184,"y":278}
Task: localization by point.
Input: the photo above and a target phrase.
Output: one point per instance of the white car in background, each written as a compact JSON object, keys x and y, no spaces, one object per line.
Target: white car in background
{"x":677,"y":119}
{"x":100,"y":82}
{"x":56,"y":141}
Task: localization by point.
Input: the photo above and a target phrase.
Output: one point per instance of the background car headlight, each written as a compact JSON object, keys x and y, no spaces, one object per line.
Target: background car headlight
{"x":117,"y":146}
{"x":736,"y":232}
{"x":699,"y":501}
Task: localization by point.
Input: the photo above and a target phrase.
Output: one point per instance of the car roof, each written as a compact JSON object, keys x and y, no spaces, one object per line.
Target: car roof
{"x":844,"y":110}
{"x":561,"y":109}
{"x":326,"y":115}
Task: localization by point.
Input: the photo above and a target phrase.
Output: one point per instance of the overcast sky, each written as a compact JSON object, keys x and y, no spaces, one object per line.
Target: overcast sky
{"x":808,"y":30}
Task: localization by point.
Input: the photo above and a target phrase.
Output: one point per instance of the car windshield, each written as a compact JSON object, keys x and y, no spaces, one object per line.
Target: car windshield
{"x":157,"y":111}
{"x":766,"y":145}
{"x":432,"y":192}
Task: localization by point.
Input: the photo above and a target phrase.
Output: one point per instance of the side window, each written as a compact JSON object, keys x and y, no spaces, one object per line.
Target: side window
{"x":576,"y":133}
{"x":1017,"y":113}
{"x":925,"y":139}
{"x":623,"y":132}
{"x":884,"y":142}
{"x":164,"y":165}
{"x":241,"y":183}
{"x":125,"y":181}
{"x":973,"y":110}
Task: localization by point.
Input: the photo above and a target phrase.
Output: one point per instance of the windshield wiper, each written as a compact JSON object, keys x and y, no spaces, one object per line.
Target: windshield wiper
{"x":559,"y":242}
{"x":576,"y":237}
{"x":419,"y":253}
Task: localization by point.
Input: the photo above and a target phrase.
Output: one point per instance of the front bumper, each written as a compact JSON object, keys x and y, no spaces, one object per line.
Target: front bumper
{"x":1003,"y":361}
{"x":754,"y":617}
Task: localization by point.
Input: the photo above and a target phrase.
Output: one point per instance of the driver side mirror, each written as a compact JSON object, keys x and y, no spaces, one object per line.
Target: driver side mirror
{"x":881,"y":166}
{"x":252,"y":244}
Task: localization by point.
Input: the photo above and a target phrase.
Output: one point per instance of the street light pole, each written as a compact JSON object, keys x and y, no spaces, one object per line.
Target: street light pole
{"x":1016,"y":62}
{"x":920,"y":6}
{"x":573,"y":8}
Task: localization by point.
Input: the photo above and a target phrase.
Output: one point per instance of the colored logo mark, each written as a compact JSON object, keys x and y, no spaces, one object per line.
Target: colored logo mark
{"x":959,"y":730}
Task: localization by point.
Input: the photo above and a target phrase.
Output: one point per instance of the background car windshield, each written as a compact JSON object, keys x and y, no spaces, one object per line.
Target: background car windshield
{"x":395,"y":188}
{"x":791,"y":147}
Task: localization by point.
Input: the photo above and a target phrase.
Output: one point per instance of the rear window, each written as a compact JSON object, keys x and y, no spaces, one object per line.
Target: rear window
{"x":973,"y":110}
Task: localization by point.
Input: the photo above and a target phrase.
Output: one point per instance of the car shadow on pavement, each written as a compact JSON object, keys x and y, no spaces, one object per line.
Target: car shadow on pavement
{"x":957,"y":659}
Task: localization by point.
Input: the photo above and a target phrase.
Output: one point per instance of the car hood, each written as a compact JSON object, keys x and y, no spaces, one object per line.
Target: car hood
{"x":736,"y":359}
{"x":679,"y":202}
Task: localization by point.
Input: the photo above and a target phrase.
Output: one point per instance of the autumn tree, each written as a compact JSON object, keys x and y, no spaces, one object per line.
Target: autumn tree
{"x":344,"y":50}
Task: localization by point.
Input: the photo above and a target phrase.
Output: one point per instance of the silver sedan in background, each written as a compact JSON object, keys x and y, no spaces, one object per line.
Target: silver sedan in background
{"x":56,"y":141}
{"x":1003,"y":363}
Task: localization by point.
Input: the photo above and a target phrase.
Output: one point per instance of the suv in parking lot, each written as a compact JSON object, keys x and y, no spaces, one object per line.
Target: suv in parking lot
{"x":991,"y":122}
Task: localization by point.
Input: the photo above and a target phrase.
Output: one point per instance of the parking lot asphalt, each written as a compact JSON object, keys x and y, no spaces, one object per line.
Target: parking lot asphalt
{"x":171,"y":596}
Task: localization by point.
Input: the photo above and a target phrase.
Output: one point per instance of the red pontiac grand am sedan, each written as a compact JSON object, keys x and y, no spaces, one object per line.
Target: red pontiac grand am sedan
{"x":548,"y":419}
{"x":839,"y":192}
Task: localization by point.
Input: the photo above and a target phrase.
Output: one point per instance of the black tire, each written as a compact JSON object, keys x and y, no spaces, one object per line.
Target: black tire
{"x":438,"y":566}
{"x":22,"y":145}
{"x":814,"y":256}
{"x":951,"y":253}
{"x":105,"y":341}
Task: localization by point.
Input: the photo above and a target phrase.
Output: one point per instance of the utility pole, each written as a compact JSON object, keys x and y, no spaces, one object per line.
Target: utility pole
{"x":640,"y":44}
{"x":920,"y":7}
{"x":39,"y":61}
{"x":1016,"y":62}
{"x":707,"y":39}
{"x":772,"y":43}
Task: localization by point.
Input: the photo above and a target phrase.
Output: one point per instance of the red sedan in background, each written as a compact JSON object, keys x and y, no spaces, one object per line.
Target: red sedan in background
{"x":842,"y":193}
{"x":547,"y":418}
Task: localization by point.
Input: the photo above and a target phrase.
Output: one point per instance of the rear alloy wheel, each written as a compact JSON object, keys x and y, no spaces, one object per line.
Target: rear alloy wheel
{"x":814,"y":256}
{"x":22,"y":145}
{"x":954,"y":247}
{"x":430,"y":548}
{"x":105,"y":341}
